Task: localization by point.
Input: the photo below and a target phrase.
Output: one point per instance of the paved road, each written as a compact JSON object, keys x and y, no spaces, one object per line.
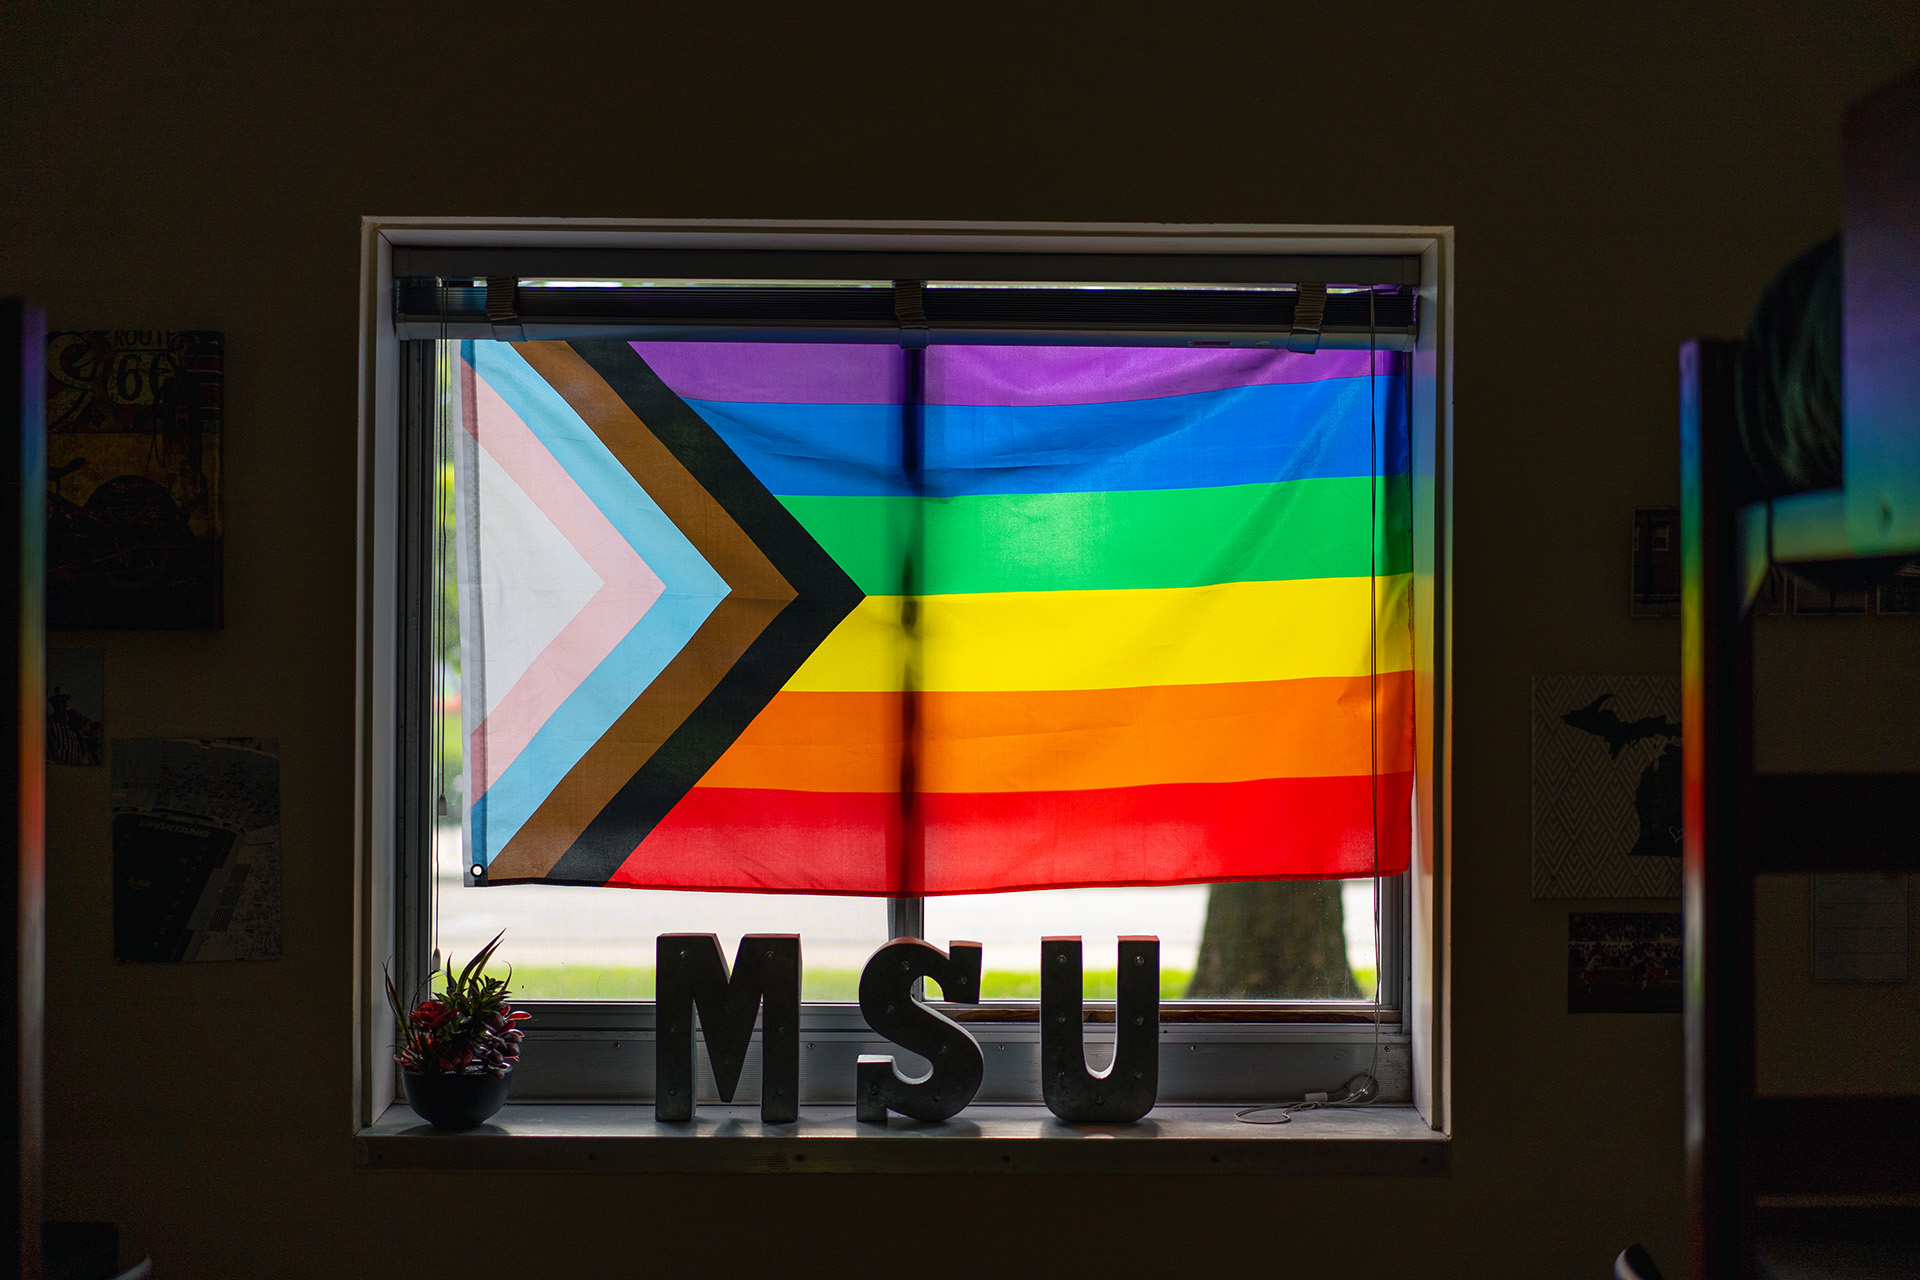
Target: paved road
{"x":561,"y":925}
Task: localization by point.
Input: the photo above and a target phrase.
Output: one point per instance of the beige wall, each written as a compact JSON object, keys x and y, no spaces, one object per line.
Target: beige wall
{"x":1830,"y":695}
{"x":1825,"y":1038}
{"x":1620,"y":181}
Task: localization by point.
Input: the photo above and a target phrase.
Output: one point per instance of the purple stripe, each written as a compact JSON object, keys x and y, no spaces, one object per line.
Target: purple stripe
{"x":779,"y":372}
{"x":869,"y":373}
{"x":1104,"y":375}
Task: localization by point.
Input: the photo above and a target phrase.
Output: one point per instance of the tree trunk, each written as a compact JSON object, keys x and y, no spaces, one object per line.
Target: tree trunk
{"x":1276,"y":939}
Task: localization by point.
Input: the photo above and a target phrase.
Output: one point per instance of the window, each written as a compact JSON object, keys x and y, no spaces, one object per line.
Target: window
{"x":1105,"y":626}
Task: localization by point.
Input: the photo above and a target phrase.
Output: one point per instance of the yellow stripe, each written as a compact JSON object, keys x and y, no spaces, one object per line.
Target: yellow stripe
{"x":1229,"y":632}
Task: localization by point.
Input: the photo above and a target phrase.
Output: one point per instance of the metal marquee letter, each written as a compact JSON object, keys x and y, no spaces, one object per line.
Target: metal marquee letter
{"x":893,"y":1011}
{"x":691,"y":971}
{"x":1125,"y":1091}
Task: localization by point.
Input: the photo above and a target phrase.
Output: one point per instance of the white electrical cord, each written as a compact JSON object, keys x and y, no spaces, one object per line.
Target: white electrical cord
{"x":1357,"y":1092}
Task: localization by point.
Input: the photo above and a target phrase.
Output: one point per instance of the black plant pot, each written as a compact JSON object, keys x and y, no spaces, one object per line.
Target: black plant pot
{"x":456,"y":1102}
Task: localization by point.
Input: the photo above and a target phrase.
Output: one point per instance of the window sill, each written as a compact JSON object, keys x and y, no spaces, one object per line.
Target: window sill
{"x":985,"y":1139}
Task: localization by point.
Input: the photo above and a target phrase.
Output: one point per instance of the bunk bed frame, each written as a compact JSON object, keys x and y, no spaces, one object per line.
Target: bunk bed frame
{"x":23,"y":481}
{"x":1758,"y":1167}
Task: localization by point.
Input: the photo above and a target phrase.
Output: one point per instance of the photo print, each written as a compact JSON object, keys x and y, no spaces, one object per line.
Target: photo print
{"x":196,"y":849}
{"x":1623,"y":962}
{"x":76,"y":706}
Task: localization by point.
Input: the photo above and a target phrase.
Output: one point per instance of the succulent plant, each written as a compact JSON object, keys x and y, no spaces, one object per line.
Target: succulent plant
{"x":467,"y":1028}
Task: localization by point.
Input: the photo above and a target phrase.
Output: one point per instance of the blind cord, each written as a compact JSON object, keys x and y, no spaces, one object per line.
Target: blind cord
{"x":1363,"y":1089}
{"x":437,"y":726}
{"x":1373,"y":677}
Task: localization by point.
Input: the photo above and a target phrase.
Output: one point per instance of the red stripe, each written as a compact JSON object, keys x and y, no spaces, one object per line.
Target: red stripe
{"x":854,"y":843}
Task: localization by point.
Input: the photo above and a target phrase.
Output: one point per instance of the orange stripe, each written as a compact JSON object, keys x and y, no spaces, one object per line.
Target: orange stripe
{"x":1074,"y":739}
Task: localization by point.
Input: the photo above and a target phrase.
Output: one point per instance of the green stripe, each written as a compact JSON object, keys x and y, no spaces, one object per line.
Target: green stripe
{"x":1126,"y":539}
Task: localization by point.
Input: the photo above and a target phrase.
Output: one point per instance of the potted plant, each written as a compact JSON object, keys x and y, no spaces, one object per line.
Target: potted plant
{"x":456,"y":1048}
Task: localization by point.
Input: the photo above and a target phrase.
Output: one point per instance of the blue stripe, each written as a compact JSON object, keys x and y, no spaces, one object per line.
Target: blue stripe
{"x":691,"y":591}
{"x":1242,"y":435}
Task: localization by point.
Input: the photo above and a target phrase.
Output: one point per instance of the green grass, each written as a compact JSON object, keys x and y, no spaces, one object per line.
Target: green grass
{"x":1098,"y":984}
{"x":609,"y":982}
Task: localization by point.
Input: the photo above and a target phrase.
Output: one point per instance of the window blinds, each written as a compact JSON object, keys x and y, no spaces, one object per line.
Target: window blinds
{"x":845,"y":618}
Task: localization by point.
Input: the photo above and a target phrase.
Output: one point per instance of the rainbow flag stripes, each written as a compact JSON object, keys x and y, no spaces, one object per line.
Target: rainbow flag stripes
{"x":847,"y":619}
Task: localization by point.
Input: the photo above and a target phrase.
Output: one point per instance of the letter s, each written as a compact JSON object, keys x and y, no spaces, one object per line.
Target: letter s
{"x":893,"y":1011}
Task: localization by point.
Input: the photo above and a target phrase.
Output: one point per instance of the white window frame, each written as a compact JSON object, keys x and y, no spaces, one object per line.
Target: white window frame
{"x":603,"y":1051}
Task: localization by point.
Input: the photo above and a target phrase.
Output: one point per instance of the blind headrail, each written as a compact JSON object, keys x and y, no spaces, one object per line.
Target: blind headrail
{"x":956,"y":310}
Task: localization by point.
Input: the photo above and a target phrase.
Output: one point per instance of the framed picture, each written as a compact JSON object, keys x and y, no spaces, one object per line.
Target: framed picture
{"x":133,"y":480}
{"x":1656,"y":562}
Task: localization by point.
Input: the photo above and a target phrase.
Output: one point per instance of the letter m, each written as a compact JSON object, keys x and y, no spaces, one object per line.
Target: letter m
{"x":691,"y":973}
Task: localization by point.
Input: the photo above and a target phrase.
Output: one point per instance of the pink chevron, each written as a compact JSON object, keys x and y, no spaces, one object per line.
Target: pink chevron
{"x":629,"y":590}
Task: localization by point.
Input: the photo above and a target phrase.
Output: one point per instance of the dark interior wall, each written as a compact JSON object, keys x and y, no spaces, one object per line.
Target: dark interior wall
{"x":1621,"y":178}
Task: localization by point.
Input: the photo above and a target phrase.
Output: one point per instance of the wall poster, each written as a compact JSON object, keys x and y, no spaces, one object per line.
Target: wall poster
{"x":1606,"y":786}
{"x":133,"y":480}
